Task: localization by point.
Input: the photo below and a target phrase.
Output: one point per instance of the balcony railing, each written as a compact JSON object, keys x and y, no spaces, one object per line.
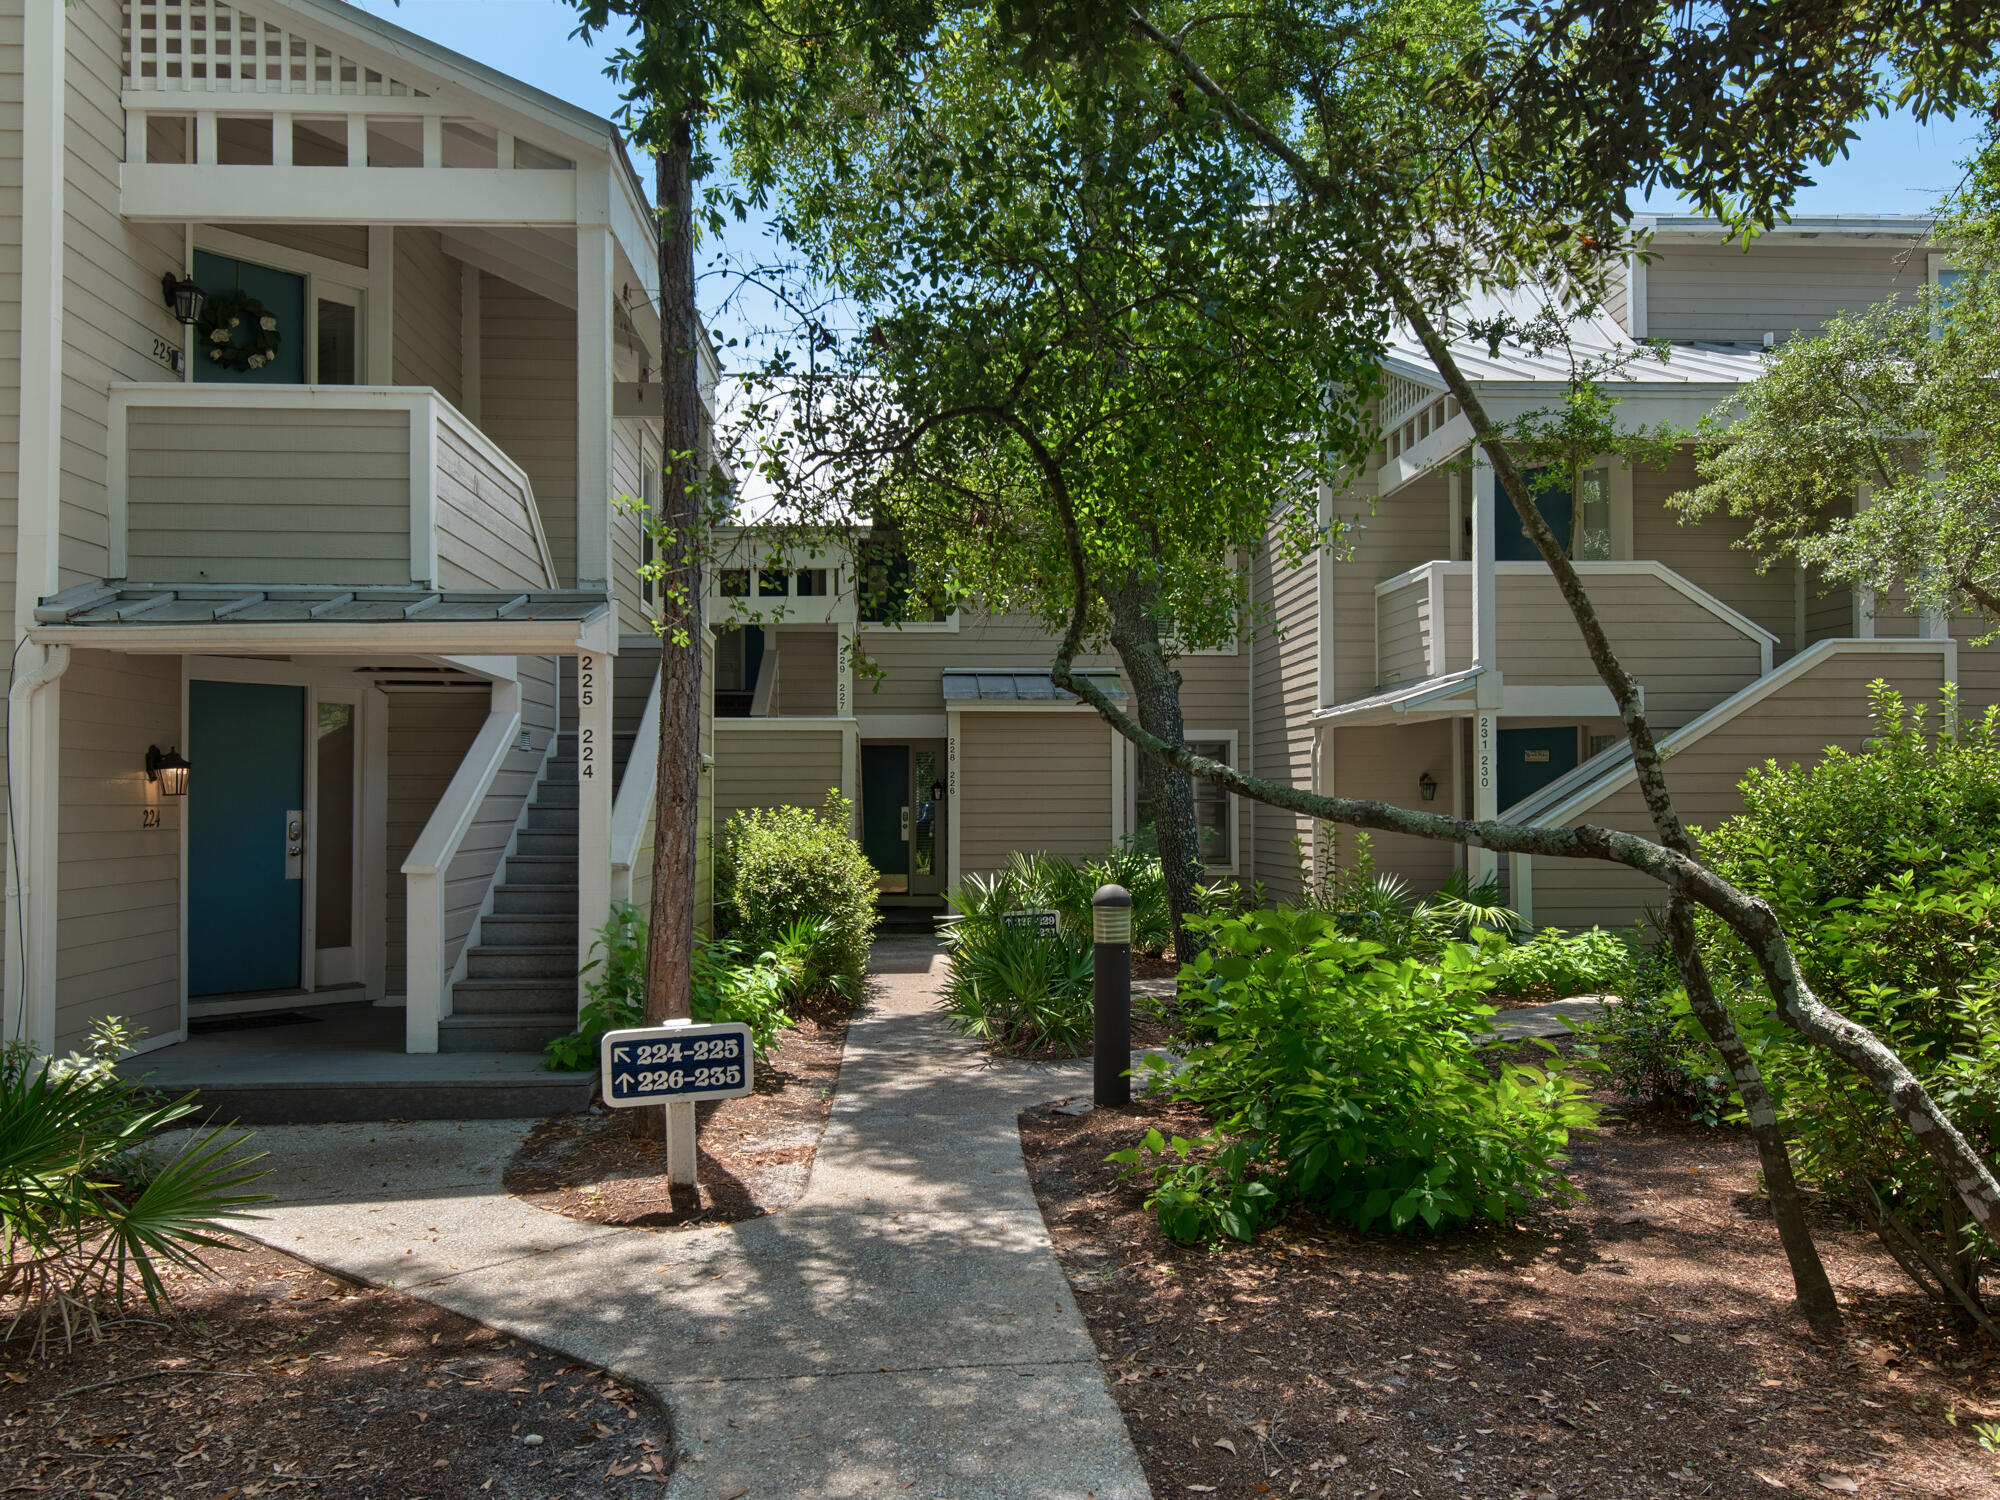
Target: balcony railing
{"x":1688,"y":647}
{"x":343,"y":485}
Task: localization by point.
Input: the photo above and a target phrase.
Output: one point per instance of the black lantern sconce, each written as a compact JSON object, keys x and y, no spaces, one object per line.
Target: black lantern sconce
{"x":169,"y":770}
{"x":185,"y":297}
{"x":1427,"y":784}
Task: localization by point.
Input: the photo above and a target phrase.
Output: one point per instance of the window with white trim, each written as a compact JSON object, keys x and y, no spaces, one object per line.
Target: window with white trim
{"x":1214,"y":809}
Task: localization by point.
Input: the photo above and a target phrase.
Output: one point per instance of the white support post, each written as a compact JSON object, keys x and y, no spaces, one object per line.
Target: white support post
{"x":594,"y":802}
{"x":34,"y":758}
{"x":378,"y":346}
{"x":595,"y":378}
{"x":1485,"y":787}
{"x":281,"y":140}
{"x":953,"y":795}
{"x":681,"y":1157}
{"x":1485,"y":606}
{"x":357,"y":140}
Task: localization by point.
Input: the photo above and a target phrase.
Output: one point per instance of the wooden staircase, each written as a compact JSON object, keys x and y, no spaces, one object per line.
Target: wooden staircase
{"x":519,"y":989}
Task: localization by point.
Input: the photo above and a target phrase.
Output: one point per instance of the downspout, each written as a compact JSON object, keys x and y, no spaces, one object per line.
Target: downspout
{"x":31,"y":859}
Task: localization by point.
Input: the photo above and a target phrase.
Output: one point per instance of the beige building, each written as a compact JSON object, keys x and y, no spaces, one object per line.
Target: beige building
{"x":1434,"y":664}
{"x":331,"y":354}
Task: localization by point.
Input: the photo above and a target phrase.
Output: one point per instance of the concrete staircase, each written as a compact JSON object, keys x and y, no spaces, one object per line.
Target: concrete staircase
{"x":519,"y":989}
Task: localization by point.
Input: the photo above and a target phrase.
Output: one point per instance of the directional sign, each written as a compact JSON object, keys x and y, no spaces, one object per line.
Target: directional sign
{"x":1044,"y":924}
{"x":675,"y":1063}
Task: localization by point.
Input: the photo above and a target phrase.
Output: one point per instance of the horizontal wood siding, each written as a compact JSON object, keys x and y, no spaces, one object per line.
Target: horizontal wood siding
{"x":1707,"y":555}
{"x":1410,"y":527}
{"x":1686,"y":658}
{"x":527,"y":401}
{"x":112,"y":309}
{"x":1793,"y":725}
{"x":486,"y":525}
{"x":296,"y":496}
{"x":1038,"y":783}
{"x":1384,"y":763}
{"x":806,"y":665}
{"x":760,"y":767}
{"x":429,"y":734}
{"x":1729,"y":295}
{"x":118,"y":888}
{"x":427,"y":347}
{"x":627,"y":487}
{"x":1458,"y":621}
{"x":912,"y":660}
{"x":1284,"y":691}
{"x":471,"y":872}
{"x":346,"y":243}
{"x":1403,"y":628}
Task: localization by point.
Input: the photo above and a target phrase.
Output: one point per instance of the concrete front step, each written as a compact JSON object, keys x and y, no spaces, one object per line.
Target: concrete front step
{"x":528,"y":1032}
{"x":514,"y":996}
{"x":532,"y":841}
{"x":535,"y":901}
{"x":509,"y":930}
{"x":491,"y":960}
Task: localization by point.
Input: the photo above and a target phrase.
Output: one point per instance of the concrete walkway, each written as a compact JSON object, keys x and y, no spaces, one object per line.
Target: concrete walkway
{"x":904,"y":1331}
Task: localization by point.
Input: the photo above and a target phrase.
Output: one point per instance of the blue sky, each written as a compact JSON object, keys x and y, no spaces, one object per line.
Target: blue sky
{"x":1898,"y":166}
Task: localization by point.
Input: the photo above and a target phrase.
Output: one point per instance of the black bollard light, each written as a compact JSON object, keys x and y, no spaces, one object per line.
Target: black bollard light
{"x":1111,"y":931}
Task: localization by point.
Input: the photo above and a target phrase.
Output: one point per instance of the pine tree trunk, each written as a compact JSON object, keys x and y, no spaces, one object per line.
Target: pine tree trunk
{"x":1156,"y":687}
{"x":670,"y":937}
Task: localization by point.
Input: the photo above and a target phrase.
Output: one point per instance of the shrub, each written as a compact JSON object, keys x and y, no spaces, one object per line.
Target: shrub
{"x":1883,"y":868}
{"x":1384,"y":908}
{"x":87,"y":1211}
{"x":1652,"y":1048}
{"x":1354,"y":1083}
{"x":779,"y":867}
{"x":1017,"y":989}
{"x":1554,"y":963}
{"x":724,"y":988}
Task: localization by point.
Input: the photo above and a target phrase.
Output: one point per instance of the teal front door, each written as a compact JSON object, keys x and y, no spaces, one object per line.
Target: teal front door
{"x":1510,"y":538}
{"x":885,"y":813}
{"x":284,"y":298}
{"x":1531,"y":758}
{"x":245,"y":812}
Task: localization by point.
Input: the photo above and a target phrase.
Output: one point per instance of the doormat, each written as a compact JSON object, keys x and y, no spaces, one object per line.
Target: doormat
{"x":206,"y":1025}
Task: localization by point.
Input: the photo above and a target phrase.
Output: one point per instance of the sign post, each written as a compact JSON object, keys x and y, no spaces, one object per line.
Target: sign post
{"x":676,"y":1065}
{"x":1111,"y":996}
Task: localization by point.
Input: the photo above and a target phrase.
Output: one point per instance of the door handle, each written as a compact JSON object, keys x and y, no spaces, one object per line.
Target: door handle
{"x":906,"y":823}
{"x":295,"y":845}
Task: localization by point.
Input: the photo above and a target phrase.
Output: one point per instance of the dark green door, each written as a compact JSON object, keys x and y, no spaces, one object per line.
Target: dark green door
{"x":284,"y":298}
{"x":1531,"y":758}
{"x":1510,"y":541}
{"x":885,"y":813}
{"x":246,"y":744}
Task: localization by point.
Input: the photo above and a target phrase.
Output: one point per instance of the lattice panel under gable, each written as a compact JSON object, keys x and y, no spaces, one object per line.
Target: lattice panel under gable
{"x":206,"y":45}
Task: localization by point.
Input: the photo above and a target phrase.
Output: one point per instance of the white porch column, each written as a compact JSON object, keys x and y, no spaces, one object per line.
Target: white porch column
{"x":594,"y":380}
{"x":1487,"y":688}
{"x":953,"y":790}
{"x":850,"y":732}
{"x":594,"y":797}
{"x":34,"y":760}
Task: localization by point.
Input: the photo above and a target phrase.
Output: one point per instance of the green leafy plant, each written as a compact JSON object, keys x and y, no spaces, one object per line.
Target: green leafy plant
{"x":1552,"y":964}
{"x":1652,"y":1049}
{"x":1015,"y":987}
{"x":1885,"y":868}
{"x":725,"y":988}
{"x":89,"y":1207}
{"x":1199,"y":1198}
{"x":1385,"y":908}
{"x":794,"y":880}
{"x":1354,"y":1080}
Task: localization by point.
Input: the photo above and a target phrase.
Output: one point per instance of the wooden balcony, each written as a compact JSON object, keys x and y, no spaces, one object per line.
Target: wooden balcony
{"x":354,"y":486}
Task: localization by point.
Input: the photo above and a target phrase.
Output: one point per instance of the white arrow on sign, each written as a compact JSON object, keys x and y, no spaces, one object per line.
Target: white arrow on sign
{"x":618,"y":1054}
{"x":624,"y":1079}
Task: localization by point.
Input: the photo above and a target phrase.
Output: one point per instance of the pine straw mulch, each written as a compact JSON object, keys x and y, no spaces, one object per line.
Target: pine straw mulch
{"x":276,"y":1379}
{"x":1639,"y":1343}
{"x":755,"y":1153}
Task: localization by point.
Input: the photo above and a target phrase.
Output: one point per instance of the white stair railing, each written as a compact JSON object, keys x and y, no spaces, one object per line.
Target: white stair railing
{"x":633,"y":809}
{"x":426,"y":872}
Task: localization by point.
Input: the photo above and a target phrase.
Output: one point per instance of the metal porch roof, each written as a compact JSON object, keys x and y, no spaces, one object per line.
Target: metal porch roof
{"x":1004,"y":685}
{"x":98,"y":604}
